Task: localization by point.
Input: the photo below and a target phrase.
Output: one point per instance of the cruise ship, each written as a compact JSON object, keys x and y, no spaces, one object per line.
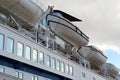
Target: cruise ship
{"x":39,"y":44}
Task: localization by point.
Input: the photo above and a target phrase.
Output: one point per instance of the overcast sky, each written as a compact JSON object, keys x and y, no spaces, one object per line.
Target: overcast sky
{"x":101,"y":20}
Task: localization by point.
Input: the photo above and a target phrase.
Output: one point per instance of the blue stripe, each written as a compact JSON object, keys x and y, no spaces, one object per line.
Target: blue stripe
{"x":30,"y":69}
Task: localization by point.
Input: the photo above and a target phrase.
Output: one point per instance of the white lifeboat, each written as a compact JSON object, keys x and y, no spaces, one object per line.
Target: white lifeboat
{"x":64,"y":29}
{"x":111,"y":69}
{"x":26,"y":10}
{"x":95,"y":56}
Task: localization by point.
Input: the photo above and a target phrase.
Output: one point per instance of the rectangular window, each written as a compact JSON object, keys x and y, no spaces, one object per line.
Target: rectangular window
{"x":42,"y":78}
{"x":94,"y":78}
{"x":27,"y":52}
{"x":19,"y":75}
{"x":47,"y":60}
{"x":66,"y":69}
{"x":35,"y":58}
{"x":34,"y":78}
{"x":62,"y":65}
{"x":1,"y":41}
{"x":53,"y":62}
{"x":41,"y":58}
{"x":83,"y":74}
{"x":10,"y":44}
{"x":2,"y":69}
{"x":70,"y":70}
{"x":20,"y":49}
{"x":58,"y":65}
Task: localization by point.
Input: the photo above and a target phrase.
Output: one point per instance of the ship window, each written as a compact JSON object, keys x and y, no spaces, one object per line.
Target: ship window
{"x":53,"y":62}
{"x":62,"y":65}
{"x":94,"y":78}
{"x":47,"y":60}
{"x":58,"y":65}
{"x":2,"y":69}
{"x":27,"y":52}
{"x":10,"y":43}
{"x":83,"y":74}
{"x":19,"y":75}
{"x":66,"y":69}
{"x":20,"y":49}
{"x":42,"y":78}
{"x":41,"y":58}
{"x":1,"y":41}
{"x":34,"y":78}
{"x":34,"y":55}
{"x":71,"y":70}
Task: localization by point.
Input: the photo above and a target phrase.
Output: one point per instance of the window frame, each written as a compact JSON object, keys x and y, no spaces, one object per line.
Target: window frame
{"x":83,"y":75}
{"x":62,"y":68}
{"x":12,"y":45}
{"x":71,"y":70}
{"x":41,"y":61}
{"x":58,"y":65}
{"x":66,"y":68}
{"x":3,"y":41}
{"x":3,"y":69}
{"x":35,"y":60}
{"x":35,"y":77}
{"x":53,"y":63}
{"x":18,"y":73}
{"x":22,"y":49}
{"x":94,"y":78}
{"x":25,"y":55}
{"x":48,"y":61}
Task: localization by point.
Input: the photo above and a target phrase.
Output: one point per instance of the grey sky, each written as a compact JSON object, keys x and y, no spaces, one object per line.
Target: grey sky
{"x":101,"y":19}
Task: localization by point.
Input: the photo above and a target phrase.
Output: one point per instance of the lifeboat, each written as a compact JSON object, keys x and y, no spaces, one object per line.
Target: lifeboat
{"x":111,"y":69}
{"x":25,"y":10}
{"x":64,"y":29}
{"x":94,"y":55}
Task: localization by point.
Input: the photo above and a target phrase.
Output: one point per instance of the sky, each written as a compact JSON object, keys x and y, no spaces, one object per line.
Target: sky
{"x":100,"y":22}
